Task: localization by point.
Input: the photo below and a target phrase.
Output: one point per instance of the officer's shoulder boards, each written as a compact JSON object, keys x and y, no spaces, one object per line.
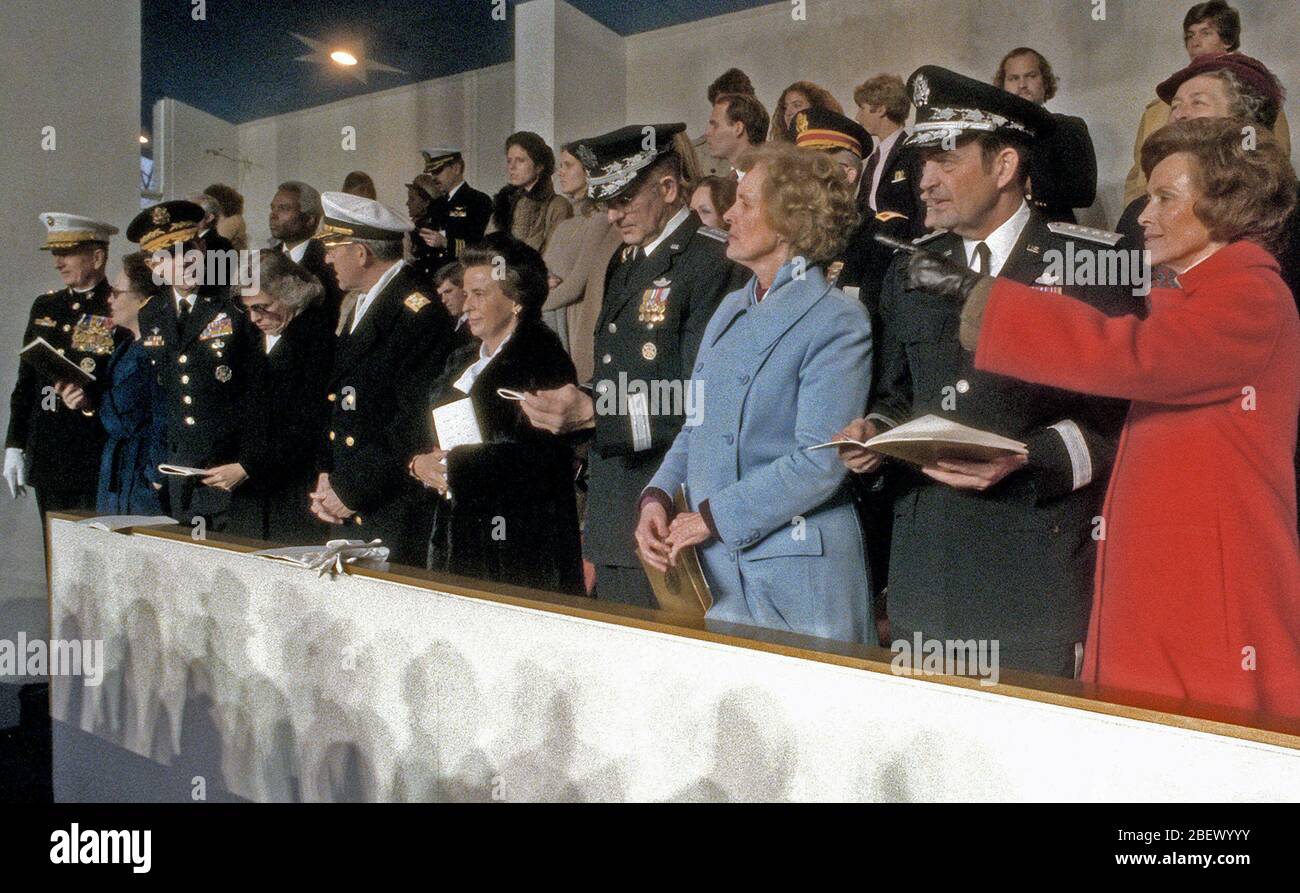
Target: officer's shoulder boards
{"x":416,"y":301}
{"x":886,"y":216}
{"x":928,"y":237}
{"x":713,"y":233}
{"x":1075,"y":231}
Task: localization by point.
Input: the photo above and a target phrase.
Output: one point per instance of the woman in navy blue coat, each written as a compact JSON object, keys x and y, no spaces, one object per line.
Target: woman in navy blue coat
{"x":128,"y":404}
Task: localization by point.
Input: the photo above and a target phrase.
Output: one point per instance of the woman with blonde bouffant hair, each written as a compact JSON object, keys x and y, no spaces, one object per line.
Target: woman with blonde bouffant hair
{"x":794,"y":99}
{"x":786,"y":362}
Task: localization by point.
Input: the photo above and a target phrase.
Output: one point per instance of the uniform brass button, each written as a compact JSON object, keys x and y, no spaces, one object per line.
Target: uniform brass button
{"x":357,"y":518}
{"x":332,"y":397}
{"x":185,"y":379}
{"x":331,"y":435}
{"x":76,"y":306}
{"x":182,"y":359}
{"x":59,"y":351}
{"x":605,"y":358}
{"x":66,"y":327}
{"x":188,"y":399}
{"x":963,"y":386}
{"x":189,"y":420}
{"x":349,"y":440}
{"x":613,"y":328}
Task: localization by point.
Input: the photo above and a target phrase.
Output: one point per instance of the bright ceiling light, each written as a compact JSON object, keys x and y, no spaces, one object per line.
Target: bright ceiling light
{"x":343,"y":57}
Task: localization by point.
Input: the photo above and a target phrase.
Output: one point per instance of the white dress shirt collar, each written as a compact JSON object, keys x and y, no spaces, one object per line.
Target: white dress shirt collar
{"x":470,"y":375}
{"x":364,"y":302}
{"x":1001,"y":241}
{"x":177,"y":297}
{"x":669,"y":228}
{"x":452,"y":194}
{"x":271,"y":341}
{"x":297,"y":251}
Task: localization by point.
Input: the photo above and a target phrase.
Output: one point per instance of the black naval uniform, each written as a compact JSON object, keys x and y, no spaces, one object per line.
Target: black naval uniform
{"x":651,"y":322}
{"x":463,"y":217}
{"x":377,"y":399}
{"x":63,"y":446}
{"x":205,"y":364}
{"x":1014,"y":563}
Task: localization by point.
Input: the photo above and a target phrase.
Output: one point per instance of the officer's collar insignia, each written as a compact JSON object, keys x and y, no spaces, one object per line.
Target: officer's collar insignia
{"x":47,"y":322}
{"x":886,"y":216}
{"x":416,"y":301}
{"x":1033,"y":249}
{"x":900,"y":175}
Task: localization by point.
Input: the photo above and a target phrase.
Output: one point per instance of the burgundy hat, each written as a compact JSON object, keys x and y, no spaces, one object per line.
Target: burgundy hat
{"x":1248,"y":68}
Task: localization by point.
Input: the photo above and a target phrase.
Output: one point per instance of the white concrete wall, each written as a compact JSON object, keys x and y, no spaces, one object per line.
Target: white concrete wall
{"x":1108,"y":69}
{"x":192,"y":149}
{"x":474,"y":110}
{"x":591,"y":74}
{"x":89,"y":91}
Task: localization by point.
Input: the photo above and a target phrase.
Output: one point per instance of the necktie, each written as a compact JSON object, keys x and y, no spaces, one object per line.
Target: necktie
{"x":983,"y":259}
{"x":182,"y":314}
{"x":868,"y":174}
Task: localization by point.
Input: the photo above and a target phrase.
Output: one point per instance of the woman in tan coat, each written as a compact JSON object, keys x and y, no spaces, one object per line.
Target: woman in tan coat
{"x":579,"y":251}
{"x":528,"y":207}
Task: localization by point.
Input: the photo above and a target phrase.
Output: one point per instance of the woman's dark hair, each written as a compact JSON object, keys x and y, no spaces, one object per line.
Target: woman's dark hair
{"x":722,"y":192}
{"x":1219,"y":14}
{"x":518,"y":267}
{"x":537,"y":150}
{"x":359,"y":183}
{"x":231,"y":202}
{"x":139,"y":275}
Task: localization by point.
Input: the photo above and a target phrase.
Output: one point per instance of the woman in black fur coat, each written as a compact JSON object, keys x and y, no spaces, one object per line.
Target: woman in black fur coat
{"x":505,"y":509}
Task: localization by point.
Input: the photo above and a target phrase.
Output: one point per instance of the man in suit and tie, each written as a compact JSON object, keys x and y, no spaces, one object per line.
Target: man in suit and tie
{"x":392,"y":347}
{"x":1063,"y":168}
{"x":660,"y":291}
{"x":295,"y":216}
{"x":449,"y":282}
{"x":206,"y":353}
{"x":999,"y":550}
{"x":459,"y":214}
{"x":737,"y":124}
{"x":887,"y":191}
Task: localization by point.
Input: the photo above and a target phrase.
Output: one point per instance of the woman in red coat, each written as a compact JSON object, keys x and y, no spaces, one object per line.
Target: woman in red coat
{"x":1198,"y":574}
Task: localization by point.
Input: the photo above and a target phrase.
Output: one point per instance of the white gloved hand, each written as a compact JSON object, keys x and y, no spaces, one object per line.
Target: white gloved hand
{"x":15,"y":471}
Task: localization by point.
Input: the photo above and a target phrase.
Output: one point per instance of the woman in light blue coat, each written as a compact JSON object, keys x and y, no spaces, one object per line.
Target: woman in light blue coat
{"x":785,"y":364}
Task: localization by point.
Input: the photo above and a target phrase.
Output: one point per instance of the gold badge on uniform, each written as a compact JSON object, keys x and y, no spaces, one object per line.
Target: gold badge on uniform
{"x":654,"y":302}
{"x":649,"y":351}
{"x":47,"y":321}
{"x":220,"y":327}
{"x":87,"y":365}
{"x":93,"y":334}
{"x":416,"y":301}
{"x":223,"y":374}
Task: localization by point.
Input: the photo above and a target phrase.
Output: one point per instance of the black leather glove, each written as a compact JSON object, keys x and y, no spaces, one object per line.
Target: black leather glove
{"x":930,"y":273}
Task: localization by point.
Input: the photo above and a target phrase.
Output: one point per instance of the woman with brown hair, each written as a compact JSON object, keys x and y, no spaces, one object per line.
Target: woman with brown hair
{"x":711,"y":199}
{"x":794,"y":99}
{"x":528,"y":207}
{"x":1198,"y":572}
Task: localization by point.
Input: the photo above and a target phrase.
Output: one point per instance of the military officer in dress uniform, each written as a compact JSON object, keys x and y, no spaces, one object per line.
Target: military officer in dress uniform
{"x":459,"y":213}
{"x":206,"y":352}
{"x":999,"y":550}
{"x":392,"y":347}
{"x":62,"y":446}
{"x":660,"y":291}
